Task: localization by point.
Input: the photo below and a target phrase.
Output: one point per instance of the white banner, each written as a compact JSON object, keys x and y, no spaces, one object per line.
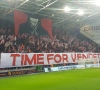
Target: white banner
{"x":30,"y":59}
{"x":60,"y":68}
{"x":92,"y":32}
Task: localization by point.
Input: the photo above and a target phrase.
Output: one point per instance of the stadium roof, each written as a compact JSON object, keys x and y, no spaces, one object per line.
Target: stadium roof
{"x":54,"y":9}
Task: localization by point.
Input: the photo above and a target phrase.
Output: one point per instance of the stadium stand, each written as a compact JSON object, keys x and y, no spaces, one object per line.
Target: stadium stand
{"x":62,"y":42}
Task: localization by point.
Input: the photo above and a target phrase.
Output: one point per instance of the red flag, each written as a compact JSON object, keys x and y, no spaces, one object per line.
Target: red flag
{"x":47,"y":25}
{"x":19,"y":18}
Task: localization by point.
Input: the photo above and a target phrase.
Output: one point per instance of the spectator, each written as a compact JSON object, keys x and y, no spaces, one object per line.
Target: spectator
{"x":30,"y":43}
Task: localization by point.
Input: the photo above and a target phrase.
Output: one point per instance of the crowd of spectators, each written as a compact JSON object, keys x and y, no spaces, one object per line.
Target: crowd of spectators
{"x":31,"y":43}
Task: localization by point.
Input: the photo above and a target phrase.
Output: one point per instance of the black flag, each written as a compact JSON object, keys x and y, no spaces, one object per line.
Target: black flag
{"x":28,"y":24}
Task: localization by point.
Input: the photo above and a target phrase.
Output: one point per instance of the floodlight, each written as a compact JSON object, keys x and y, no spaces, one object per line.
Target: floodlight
{"x":77,"y":20}
{"x":52,"y":15}
{"x":80,"y":12}
{"x":97,"y":2}
{"x":67,"y":9}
